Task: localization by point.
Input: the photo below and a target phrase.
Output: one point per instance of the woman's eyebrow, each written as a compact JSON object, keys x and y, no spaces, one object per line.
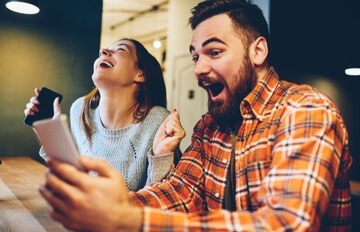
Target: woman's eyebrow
{"x":124,"y":44}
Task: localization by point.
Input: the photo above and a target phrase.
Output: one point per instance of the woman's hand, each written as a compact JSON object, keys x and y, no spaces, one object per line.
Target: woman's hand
{"x":57,"y":109}
{"x":169,"y":135}
{"x":32,"y":106}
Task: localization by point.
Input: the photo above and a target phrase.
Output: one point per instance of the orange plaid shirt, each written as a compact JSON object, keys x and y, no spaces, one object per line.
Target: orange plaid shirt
{"x":291,"y":169}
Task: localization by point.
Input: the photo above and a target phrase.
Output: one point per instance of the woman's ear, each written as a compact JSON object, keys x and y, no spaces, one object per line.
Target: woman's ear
{"x":259,"y":51}
{"x":139,"y":77}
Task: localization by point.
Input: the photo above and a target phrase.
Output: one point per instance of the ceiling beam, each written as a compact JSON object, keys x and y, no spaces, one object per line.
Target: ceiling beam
{"x":154,"y":8}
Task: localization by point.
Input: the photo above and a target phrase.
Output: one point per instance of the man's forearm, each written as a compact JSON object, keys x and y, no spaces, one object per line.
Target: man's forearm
{"x":130,"y":219}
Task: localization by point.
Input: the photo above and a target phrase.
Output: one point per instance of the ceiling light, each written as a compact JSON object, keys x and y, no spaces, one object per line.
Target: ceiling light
{"x":157,"y":44}
{"x":352,"y":71}
{"x":23,"y":6}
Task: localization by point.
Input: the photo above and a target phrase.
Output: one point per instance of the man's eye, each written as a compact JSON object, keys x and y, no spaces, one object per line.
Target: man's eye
{"x":122,"y":49}
{"x":195,"y":58}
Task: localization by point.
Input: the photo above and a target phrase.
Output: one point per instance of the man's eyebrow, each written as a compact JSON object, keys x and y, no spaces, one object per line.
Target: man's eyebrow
{"x":206,"y":42}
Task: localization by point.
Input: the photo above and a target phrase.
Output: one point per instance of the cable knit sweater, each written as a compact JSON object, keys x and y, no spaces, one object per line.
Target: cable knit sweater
{"x":126,"y":149}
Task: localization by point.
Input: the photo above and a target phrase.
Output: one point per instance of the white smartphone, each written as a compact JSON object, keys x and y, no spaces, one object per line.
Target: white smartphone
{"x":57,"y":141}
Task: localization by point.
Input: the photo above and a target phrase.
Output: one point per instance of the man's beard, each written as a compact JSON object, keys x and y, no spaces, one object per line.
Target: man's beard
{"x":227,"y":114}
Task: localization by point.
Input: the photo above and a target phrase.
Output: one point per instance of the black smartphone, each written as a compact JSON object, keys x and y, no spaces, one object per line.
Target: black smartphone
{"x":46,"y":98}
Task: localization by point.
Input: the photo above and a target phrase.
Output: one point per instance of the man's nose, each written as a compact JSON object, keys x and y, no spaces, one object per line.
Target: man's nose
{"x":201,"y":68}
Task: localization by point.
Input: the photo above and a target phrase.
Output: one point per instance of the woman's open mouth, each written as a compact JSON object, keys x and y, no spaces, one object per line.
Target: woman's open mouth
{"x":105,"y":64}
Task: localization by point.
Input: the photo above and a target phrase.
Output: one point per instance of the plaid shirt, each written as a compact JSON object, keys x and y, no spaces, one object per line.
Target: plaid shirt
{"x":291,"y":168}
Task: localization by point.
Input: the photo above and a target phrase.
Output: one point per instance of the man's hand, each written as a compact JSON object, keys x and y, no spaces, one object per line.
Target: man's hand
{"x":82,"y":202}
{"x":169,"y":135}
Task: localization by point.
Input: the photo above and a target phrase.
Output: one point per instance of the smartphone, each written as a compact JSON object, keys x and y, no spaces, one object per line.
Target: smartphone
{"x":46,"y":98}
{"x":57,"y":141}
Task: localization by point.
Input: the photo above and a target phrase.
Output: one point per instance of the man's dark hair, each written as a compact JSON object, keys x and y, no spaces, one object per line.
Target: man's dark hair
{"x":248,"y":19}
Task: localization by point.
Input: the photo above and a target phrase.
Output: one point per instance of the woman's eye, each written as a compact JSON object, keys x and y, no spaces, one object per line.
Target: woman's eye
{"x":122,"y":49}
{"x":214,"y":52}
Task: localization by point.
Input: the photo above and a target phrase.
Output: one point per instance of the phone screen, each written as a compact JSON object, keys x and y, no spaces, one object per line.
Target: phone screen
{"x":46,"y":98}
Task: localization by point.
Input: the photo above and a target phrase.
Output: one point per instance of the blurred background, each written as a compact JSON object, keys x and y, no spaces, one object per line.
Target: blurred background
{"x":312,"y":42}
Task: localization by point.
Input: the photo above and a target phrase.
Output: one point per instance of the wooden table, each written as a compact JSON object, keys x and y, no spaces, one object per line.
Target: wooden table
{"x":21,"y":206}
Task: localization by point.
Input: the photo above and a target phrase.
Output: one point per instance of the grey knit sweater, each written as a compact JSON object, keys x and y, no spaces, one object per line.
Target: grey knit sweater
{"x":126,"y":149}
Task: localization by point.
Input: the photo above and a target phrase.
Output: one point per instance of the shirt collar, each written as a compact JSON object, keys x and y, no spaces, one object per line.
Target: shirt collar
{"x":255,"y":103}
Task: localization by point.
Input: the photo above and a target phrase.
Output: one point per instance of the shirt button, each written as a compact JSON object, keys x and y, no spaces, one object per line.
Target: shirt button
{"x":217,"y":194}
{"x":224,"y":161}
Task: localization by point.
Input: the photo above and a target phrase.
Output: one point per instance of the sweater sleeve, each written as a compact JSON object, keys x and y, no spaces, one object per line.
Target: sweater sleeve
{"x":162,"y":165}
{"x":159,"y":166}
{"x":75,"y":111}
{"x":42,"y":153}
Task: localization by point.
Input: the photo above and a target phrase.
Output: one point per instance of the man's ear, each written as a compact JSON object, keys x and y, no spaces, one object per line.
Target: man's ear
{"x":139,"y":77}
{"x":259,"y":51}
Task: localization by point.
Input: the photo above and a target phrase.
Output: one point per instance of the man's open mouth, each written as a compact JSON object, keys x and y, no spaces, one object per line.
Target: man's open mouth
{"x":214,"y":88}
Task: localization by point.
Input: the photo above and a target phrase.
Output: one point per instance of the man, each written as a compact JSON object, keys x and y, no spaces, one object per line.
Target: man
{"x":268,"y":156}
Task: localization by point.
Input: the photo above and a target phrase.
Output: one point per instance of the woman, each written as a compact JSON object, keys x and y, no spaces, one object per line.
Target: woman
{"x":118,"y":119}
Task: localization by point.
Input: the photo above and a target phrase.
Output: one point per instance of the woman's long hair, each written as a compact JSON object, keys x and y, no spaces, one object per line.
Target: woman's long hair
{"x":151,"y":92}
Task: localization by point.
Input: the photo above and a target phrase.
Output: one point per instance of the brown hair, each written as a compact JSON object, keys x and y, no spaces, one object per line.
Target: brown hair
{"x":151,"y":92}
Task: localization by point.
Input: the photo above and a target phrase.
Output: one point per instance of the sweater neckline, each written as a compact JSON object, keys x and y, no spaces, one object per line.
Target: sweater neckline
{"x":112,"y":132}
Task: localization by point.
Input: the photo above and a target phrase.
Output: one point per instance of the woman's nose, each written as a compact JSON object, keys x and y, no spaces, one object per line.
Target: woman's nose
{"x":104,"y":51}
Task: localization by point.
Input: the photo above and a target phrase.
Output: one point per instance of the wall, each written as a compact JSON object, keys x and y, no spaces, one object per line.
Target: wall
{"x":179,"y":76}
{"x":55,"y":48}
